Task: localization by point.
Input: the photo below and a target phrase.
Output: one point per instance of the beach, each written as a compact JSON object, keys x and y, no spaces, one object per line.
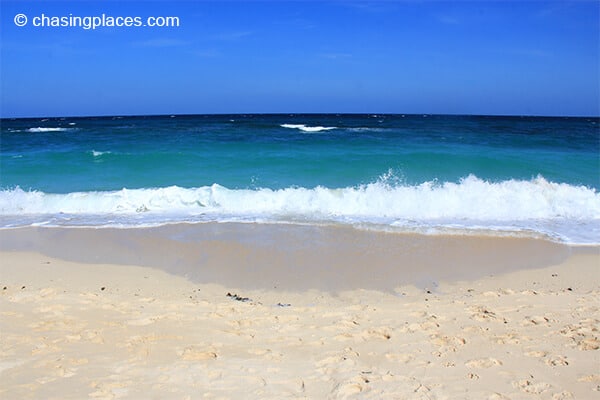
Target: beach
{"x":300,"y":200}
{"x":292,"y":311}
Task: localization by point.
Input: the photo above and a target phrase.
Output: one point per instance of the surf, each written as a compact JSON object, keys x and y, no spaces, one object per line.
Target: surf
{"x":310,"y":129}
{"x":557,"y":209}
{"x":47,"y":129}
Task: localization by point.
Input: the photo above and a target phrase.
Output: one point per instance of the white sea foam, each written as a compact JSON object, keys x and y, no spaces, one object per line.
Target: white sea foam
{"x":305,"y":128}
{"x":366,"y":129}
{"x":99,"y":153}
{"x":50,"y":129}
{"x":569,"y":213}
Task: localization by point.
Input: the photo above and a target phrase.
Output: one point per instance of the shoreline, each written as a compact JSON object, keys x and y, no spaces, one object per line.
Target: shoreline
{"x":73,"y":329}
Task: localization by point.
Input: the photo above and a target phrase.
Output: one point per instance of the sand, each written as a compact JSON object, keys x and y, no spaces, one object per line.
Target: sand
{"x":76,"y":330}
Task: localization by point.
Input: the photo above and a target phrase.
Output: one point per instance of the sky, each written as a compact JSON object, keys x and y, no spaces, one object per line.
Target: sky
{"x":445,"y":57}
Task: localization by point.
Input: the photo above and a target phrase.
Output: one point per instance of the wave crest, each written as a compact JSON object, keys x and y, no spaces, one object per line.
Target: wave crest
{"x":569,"y":212}
{"x":471,"y":198}
{"x":49,"y":129}
{"x":305,"y":128}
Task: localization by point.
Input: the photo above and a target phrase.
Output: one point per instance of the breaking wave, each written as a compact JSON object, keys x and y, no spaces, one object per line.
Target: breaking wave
{"x":49,"y":129}
{"x":569,"y":213}
{"x":305,"y":128}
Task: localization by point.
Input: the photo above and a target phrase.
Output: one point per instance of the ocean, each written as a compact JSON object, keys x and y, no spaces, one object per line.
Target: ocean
{"x":430,"y":174}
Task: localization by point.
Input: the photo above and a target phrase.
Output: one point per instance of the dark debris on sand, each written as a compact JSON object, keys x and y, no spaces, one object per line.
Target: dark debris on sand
{"x":238,"y":298}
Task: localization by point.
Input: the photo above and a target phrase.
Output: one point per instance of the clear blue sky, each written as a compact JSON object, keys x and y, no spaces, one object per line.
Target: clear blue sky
{"x":470,"y":57}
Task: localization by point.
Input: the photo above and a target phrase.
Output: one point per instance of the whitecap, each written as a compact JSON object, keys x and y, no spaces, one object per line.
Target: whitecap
{"x":365,"y":129}
{"x":305,"y":128}
{"x":49,"y":129}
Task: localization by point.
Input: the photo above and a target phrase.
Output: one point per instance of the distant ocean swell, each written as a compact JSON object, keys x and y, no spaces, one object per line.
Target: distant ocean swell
{"x":567,"y":213}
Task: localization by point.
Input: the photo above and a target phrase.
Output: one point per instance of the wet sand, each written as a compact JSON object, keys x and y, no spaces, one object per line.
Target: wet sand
{"x":187,"y":312}
{"x":291,"y":257}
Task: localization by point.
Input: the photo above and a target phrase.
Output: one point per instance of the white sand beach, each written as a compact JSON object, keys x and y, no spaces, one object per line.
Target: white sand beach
{"x":74,"y":330}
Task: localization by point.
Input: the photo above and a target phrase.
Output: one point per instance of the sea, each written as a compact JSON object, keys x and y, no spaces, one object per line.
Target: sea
{"x":427,"y":174}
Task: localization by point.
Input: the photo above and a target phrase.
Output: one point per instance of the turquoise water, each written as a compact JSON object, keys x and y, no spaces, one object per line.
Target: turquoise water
{"x":411,"y":172}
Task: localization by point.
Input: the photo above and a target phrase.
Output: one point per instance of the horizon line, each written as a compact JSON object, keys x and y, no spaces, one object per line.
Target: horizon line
{"x":171,"y":115}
